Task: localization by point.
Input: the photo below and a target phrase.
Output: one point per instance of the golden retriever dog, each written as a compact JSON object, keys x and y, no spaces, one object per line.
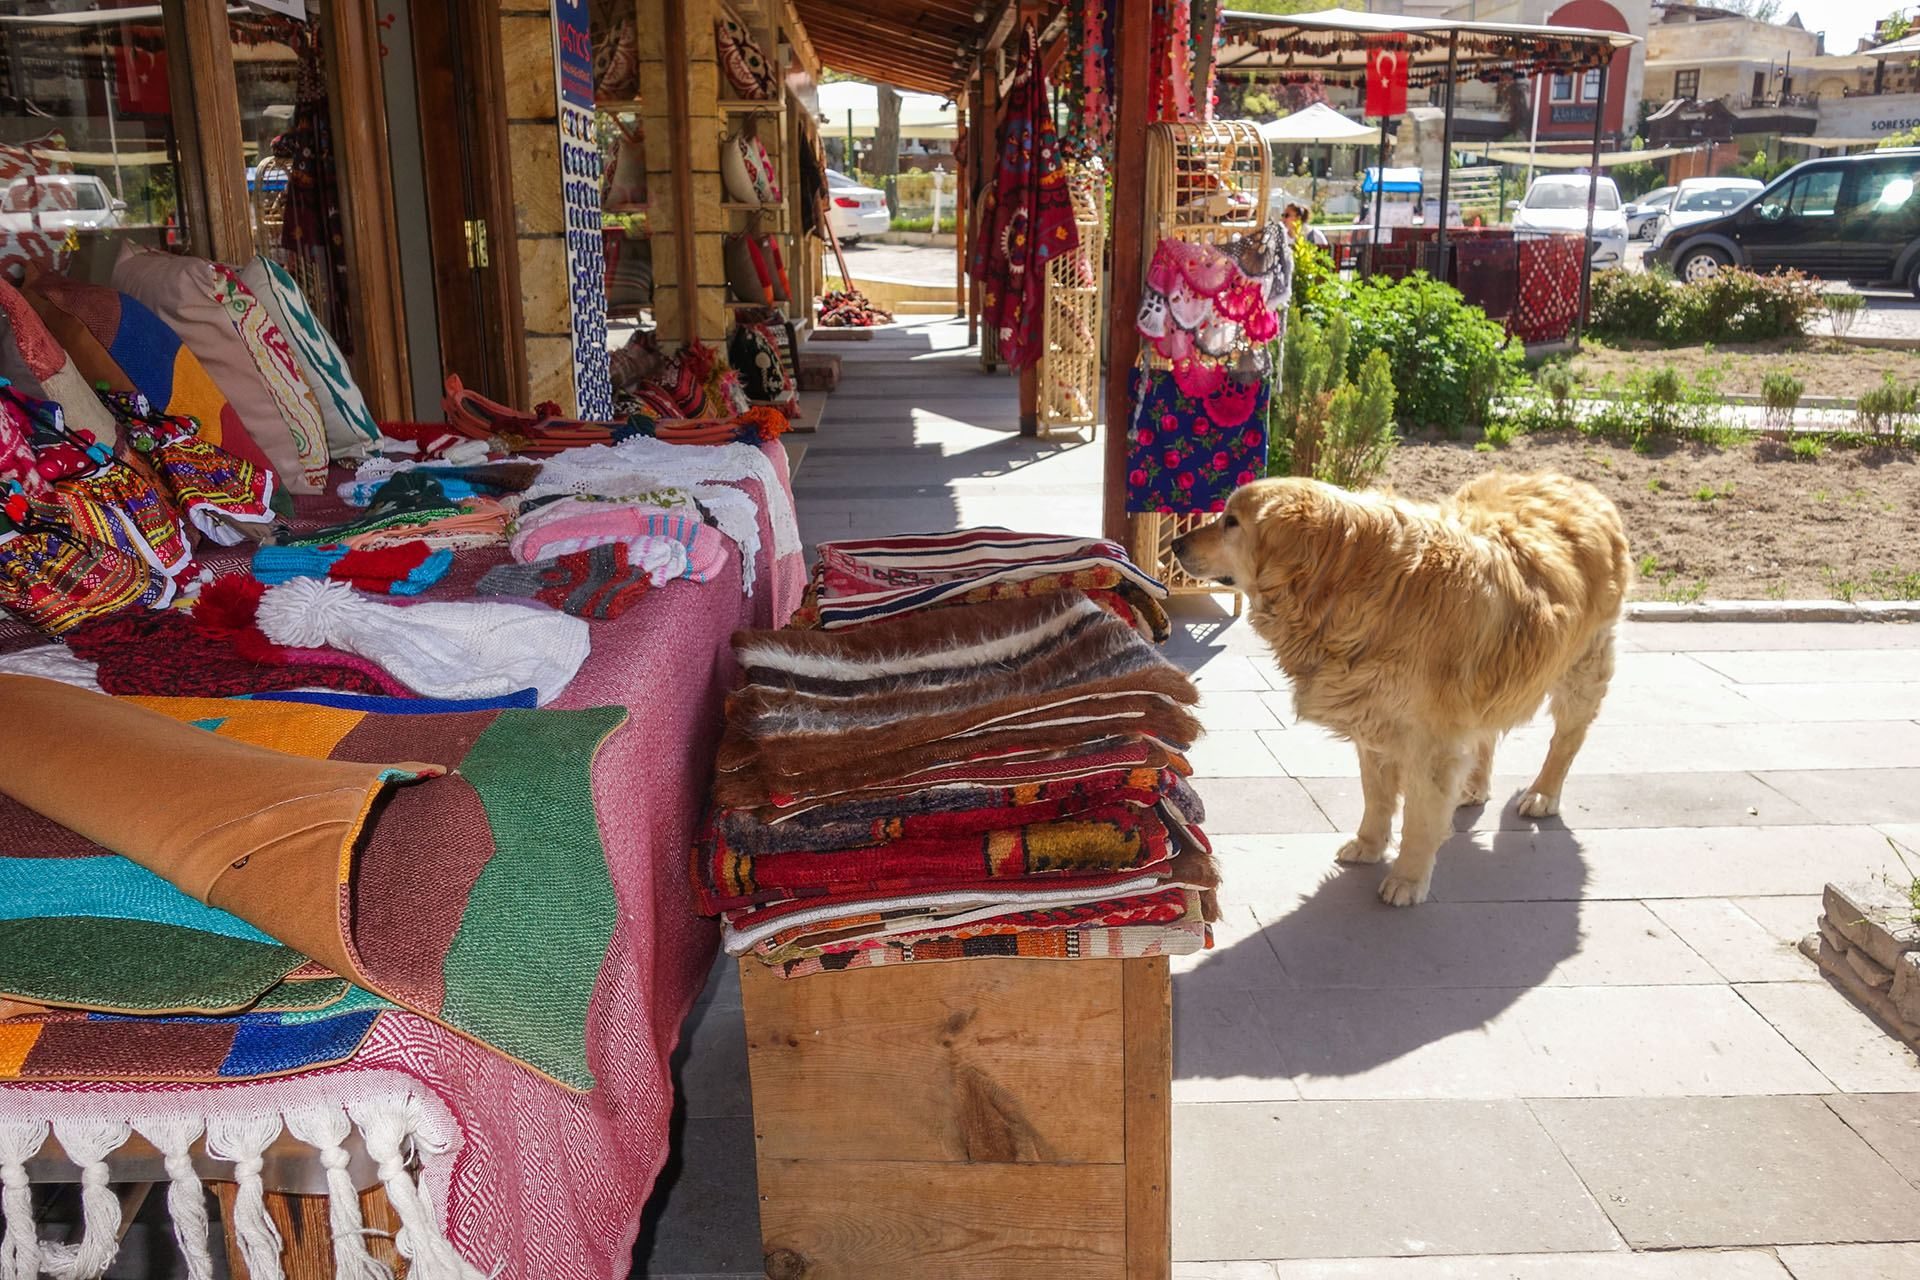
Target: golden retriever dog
{"x":1422,"y":632}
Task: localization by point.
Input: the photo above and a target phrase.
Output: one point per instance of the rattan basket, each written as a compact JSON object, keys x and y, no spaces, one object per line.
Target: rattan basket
{"x":1070,"y":355}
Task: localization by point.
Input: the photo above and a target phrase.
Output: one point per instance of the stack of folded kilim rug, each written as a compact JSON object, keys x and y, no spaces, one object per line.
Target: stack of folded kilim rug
{"x":1002,"y":778}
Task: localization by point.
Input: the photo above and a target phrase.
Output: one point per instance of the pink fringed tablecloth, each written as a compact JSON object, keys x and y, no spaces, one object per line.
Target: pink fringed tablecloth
{"x":545,"y":1184}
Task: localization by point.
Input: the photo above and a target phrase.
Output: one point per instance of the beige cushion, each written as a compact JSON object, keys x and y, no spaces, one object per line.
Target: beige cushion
{"x":184,"y":292}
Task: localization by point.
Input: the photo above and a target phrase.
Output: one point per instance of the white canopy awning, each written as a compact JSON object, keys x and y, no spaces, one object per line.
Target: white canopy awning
{"x":922,"y":115}
{"x":1318,"y":123}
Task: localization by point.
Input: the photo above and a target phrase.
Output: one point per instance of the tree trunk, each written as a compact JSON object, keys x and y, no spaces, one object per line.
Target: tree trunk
{"x":885,"y":160}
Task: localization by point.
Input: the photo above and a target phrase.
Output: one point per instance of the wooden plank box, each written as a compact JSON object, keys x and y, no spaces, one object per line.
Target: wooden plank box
{"x":995,"y":1119}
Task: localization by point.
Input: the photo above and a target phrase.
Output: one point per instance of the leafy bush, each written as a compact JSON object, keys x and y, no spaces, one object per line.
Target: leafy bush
{"x":1662,"y":403}
{"x":1321,"y":424}
{"x":1728,"y":306}
{"x":947,"y":223}
{"x":1448,"y":359}
{"x":1781,"y":392}
{"x":1888,"y":409}
{"x":1316,"y":285}
{"x":1843,"y":311}
{"x":1359,"y":434}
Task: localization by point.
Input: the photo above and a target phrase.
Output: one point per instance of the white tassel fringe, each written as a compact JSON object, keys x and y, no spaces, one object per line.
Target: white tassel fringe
{"x":186,"y":1199}
{"x":325,"y":1128}
{"x":20,"y":1246}
{"x":385,"y":1127}
{"x":88,"y":1143}
{"x":244,"y":1139}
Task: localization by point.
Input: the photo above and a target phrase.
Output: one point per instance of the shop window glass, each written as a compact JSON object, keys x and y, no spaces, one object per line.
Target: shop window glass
{"x":1563,"y":88}
{"x":1686,"y":84}
{"x":1590,"y":85}
{"x":88,"y":152}
{"x":286,"y":139}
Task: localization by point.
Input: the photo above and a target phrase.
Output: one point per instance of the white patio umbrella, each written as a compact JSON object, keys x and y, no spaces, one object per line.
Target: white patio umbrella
{"x":1317,"y":123}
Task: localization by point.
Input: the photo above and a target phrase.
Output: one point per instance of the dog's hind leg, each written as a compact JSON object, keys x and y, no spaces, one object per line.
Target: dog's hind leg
{"x":1380,"y":786}
{"x":1576,"y":701}
{"x":1432,"y":783}
{"x":1478,"y":787}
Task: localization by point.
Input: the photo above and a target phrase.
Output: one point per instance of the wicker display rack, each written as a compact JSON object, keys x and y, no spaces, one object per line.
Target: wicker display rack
{"x":1070,"y":355}
{"x":1207,"y":183}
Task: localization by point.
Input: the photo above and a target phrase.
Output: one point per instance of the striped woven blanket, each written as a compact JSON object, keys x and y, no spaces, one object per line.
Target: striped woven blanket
{"x":865,"y":580}
{"x":268,"y":875}
{"x":826,"y":712}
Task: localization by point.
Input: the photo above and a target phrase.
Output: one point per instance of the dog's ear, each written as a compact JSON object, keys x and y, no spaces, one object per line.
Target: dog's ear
{"x":1288,"y":536}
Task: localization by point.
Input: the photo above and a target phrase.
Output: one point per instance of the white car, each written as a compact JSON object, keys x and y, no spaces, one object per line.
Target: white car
{"x":1643,"y":213}
{"x":1559,"y":203}
{"x":55,"y":202}
{"x":855,"y":210}
{"x":1698,"y":199}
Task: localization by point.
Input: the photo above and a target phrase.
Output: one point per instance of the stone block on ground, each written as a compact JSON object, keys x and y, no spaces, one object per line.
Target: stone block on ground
{"x":1833,"y":962}
{"x":1869,"y":969}
{"x":1906,"y":987}
{"x":1833,"y":937}
{"x":1875,"y":915}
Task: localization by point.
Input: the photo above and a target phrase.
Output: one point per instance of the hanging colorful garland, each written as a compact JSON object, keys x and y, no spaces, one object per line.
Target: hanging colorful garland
{"x":1171,"y":87}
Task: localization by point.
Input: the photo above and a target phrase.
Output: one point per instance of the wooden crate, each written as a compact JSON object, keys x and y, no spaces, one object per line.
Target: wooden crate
{"x":993,"y":1119}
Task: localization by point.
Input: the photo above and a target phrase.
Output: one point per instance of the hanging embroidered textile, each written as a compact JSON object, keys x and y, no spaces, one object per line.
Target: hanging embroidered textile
{"x":1087,"y":128}
{"x":1213,"y":300}
{"x":1028,"y":215}
{"x":1198,"y":433}
{"x":1172,"y":83}
{"x":311,"y":231}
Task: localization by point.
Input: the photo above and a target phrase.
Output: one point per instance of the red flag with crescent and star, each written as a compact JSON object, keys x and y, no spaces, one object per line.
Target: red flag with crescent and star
{"x":1387,"y":76}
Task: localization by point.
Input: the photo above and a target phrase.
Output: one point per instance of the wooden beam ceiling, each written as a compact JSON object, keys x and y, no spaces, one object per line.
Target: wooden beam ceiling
{"x":913,"y":44}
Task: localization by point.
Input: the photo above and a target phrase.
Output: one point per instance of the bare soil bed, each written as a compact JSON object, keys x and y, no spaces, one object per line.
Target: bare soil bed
{"x":1826,"y":367}
{"x":1747,"y":522}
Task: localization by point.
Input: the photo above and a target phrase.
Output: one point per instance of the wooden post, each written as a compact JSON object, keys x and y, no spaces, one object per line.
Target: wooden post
{"x":1132,"y":76}
{"x":679,"y":111}
{"x":206,"y":102}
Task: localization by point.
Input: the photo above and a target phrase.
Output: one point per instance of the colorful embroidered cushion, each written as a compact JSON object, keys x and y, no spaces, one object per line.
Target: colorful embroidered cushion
{"x":756,"y":357}
{"x":200,"y":307}
{"x":746,"y":171}
{"x":746,"y":278}
{"x":28,"y":345}
{"x":272,"y":355}
{"x":132,"y":349}
{"x":350,"y":427}
{"x":746,"y":68}
{"x":1197,"y":434}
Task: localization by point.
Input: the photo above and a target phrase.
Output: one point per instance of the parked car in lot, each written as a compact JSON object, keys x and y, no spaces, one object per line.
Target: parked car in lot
{"x":1698,"y":199}
{"x":855,"y":210}
{"x":1559,"y":203}
{"x":1642,"y":213}
{"x":1854,"y":218}
{"x":55,"y":202}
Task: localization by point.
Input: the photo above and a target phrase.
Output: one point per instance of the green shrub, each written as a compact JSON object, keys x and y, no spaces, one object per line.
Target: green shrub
{"x":1843,"y":311}
{"x":947,"y":223}
{"x":1887,"y":409}
{"x":1448,"y":360}
{"x":1359,"y":432}
{"x":1728,"y":306}
{"x":1781,"y":392}
{"x":1316,"y":285}
{"x":1807,"y":448}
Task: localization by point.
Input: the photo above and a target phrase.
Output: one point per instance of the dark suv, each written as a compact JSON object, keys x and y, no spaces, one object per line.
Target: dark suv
{"x":1846,"y":218}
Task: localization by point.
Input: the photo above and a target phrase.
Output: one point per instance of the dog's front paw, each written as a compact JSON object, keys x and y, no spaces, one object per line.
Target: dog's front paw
{"x":1398,"y":890}
{"x":1476,"y":792}
{"x":1358,"y":850}
{"x":1538,"y":804}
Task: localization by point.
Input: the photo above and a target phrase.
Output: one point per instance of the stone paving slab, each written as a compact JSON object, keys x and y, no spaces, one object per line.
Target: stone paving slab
{"x":1852,"y":1261}
{"x":1235,"y":753}
{"x":1890,"y":1124}
{"x":1780,"y":666}
{"x":1867,"y":795}
{"x":1693,"y":1172}
{"x":1594,"y":801}
{"x":1692,"y":1264}
{"x":1837,"y":1037}
{"x":1743,"y":939}
{"x":1812,"y":703}
{"x":1709,"y":637}
{"x":1381,"y":1179}
{"x":1244,"y":806}
{"x":1596,"y":865}
{"x":1543,"y":1042}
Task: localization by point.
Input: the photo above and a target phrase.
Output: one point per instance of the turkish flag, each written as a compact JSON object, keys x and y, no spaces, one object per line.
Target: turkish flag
{"x":1387,"y":76}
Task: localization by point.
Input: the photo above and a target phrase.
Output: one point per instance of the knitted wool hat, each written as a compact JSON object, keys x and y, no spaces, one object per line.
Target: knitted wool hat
{"x":706,"y":547}
{"x":599,"y":583}
{"x":440,"y":650}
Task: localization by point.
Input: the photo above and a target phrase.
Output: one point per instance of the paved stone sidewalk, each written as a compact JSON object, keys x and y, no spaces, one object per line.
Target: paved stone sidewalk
{"x":1593,"y":1055}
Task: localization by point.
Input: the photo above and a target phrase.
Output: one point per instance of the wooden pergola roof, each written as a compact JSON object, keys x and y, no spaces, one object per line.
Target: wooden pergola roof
{"x":910,"y":44}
